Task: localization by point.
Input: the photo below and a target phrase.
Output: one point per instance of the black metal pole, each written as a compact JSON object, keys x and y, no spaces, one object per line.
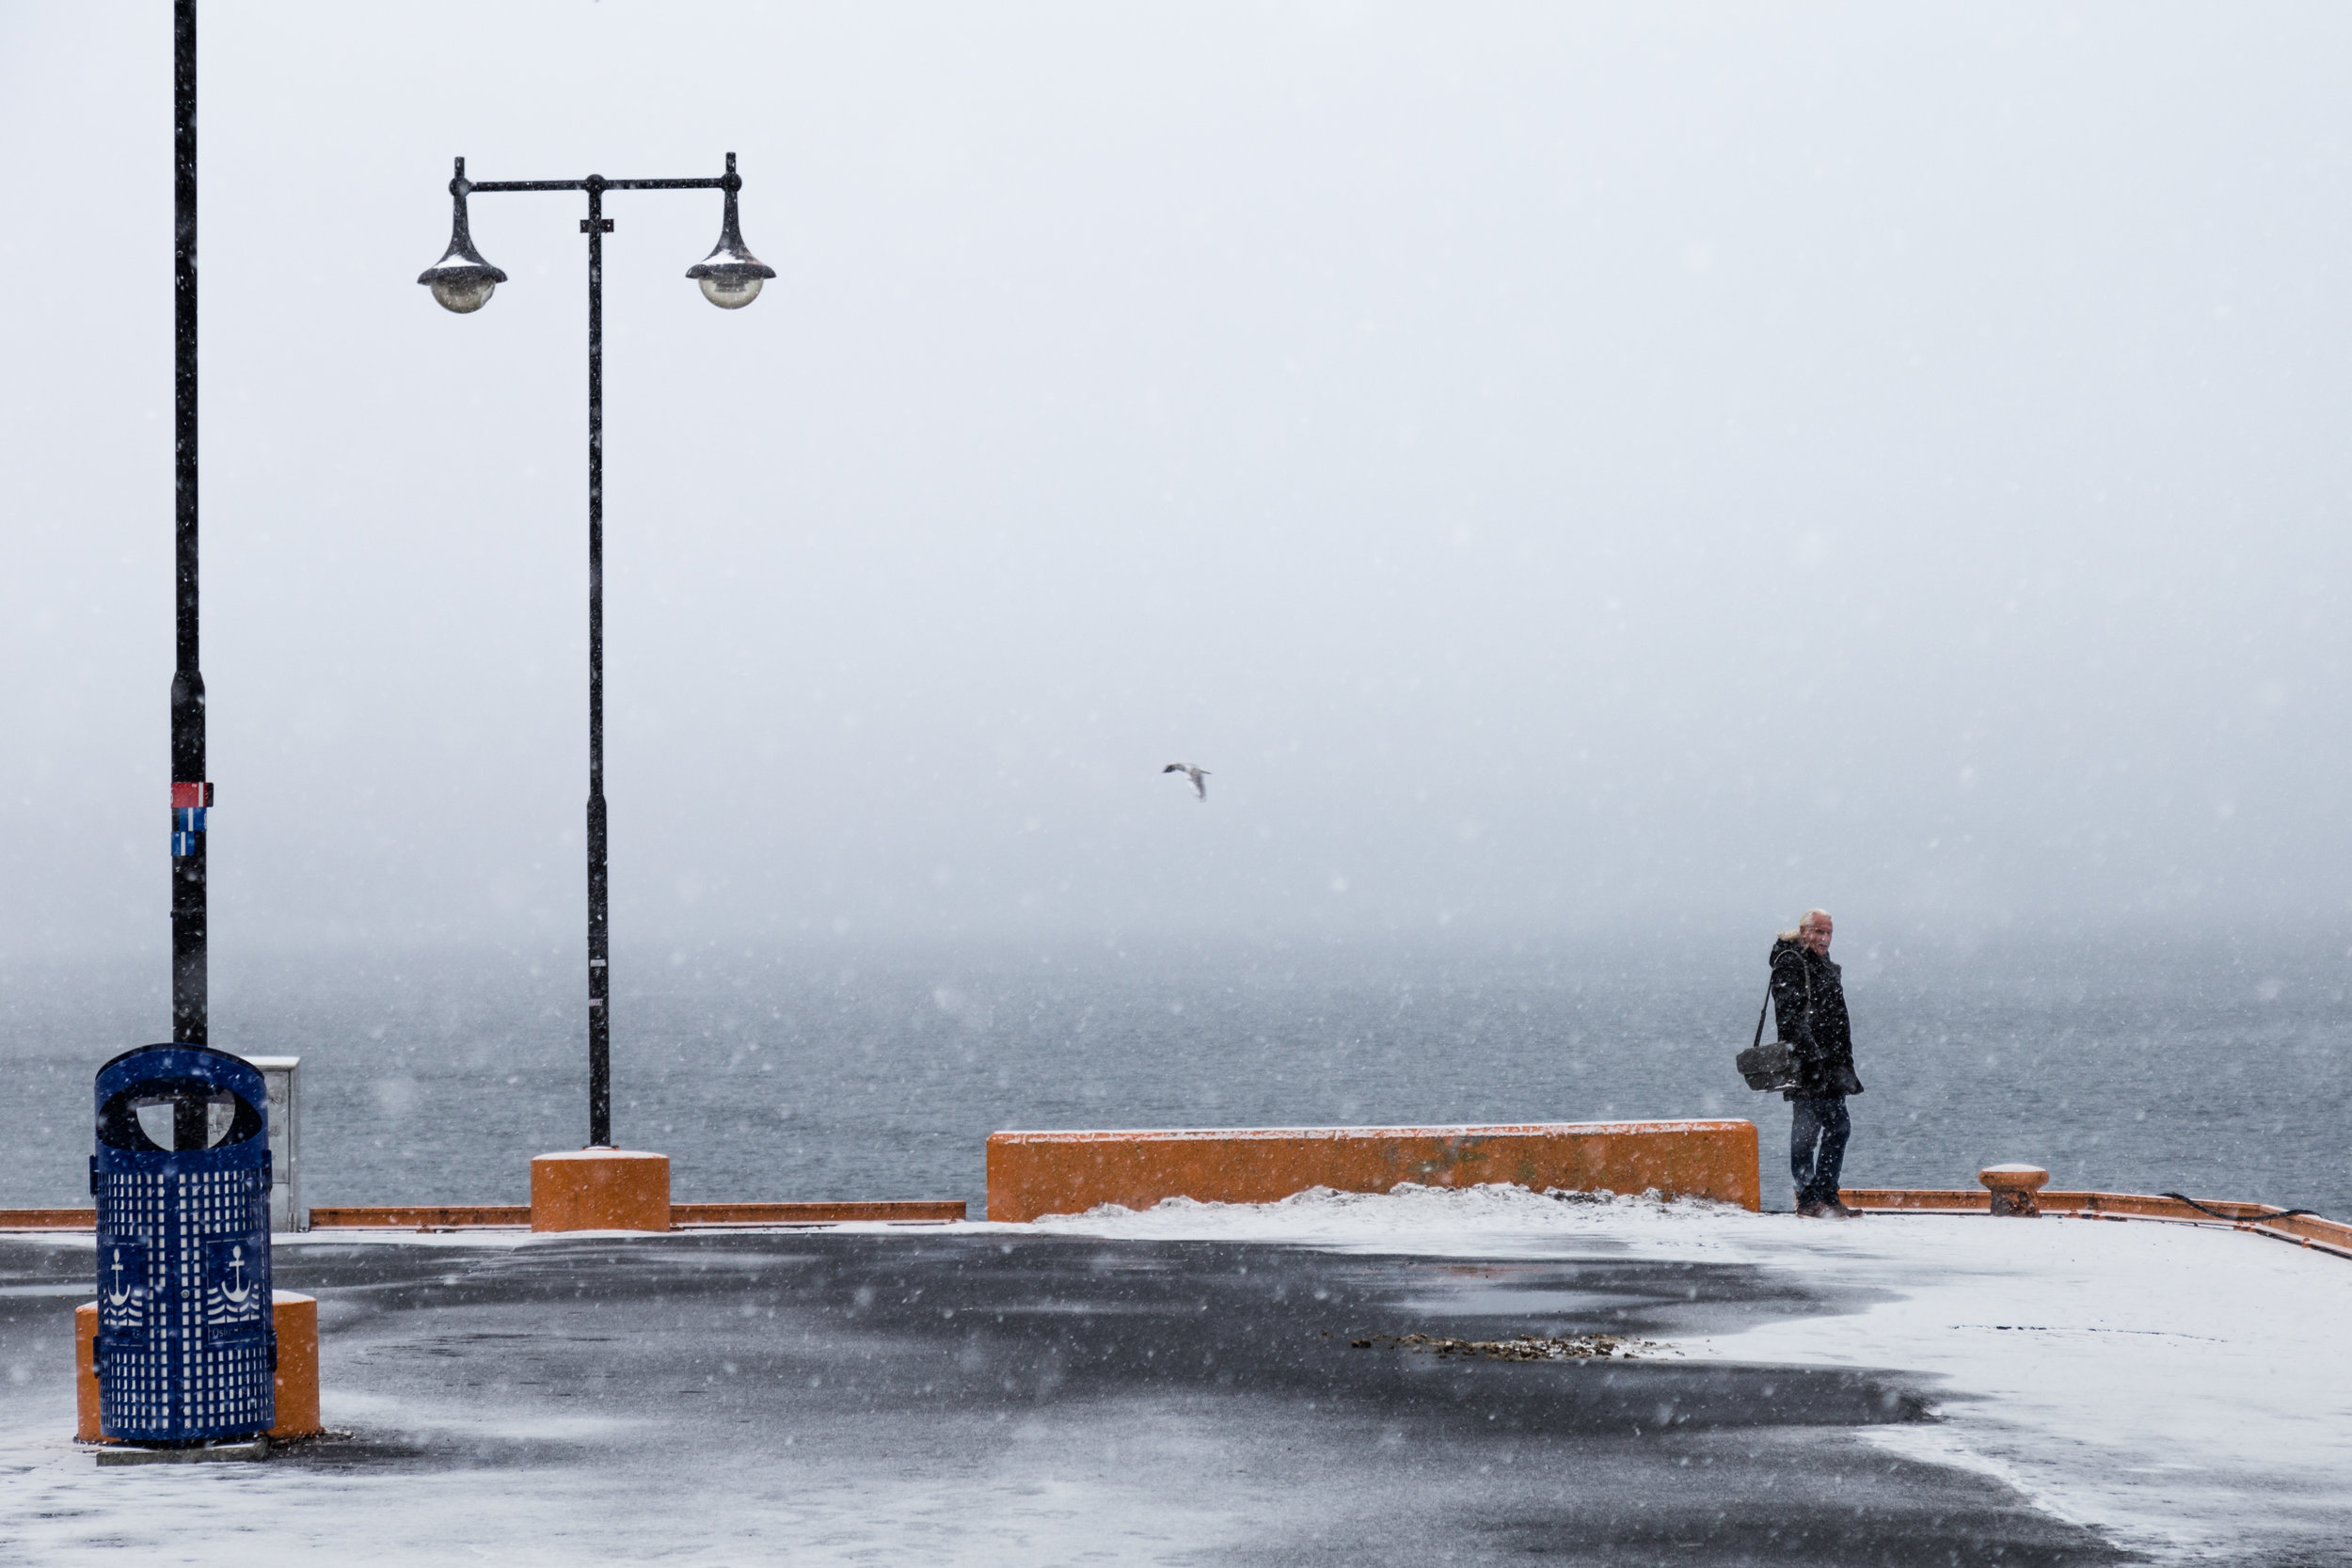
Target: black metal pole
{"x":190,"y":793}
{"x":596,"y":226}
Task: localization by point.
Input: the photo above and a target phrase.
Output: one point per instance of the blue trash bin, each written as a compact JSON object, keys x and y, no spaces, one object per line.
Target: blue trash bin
{"x":187,"y":1345}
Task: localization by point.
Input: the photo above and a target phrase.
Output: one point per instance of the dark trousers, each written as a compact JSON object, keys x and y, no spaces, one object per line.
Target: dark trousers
{"x":1816,"y":1146}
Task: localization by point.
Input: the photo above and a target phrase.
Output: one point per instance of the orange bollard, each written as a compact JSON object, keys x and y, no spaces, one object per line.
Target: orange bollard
{"x":298,"y":1320}
{"x":2012,"y":1188}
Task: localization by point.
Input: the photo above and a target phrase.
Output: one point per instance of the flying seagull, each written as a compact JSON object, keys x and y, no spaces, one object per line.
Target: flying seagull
{"x":1197,"y":775}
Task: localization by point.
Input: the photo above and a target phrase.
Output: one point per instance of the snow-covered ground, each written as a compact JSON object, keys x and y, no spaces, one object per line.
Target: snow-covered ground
{"x":2180,"y":1389}
{"x":2185,"y":1390}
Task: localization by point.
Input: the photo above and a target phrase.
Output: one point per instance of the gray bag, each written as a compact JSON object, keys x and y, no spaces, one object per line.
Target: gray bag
{"x":1768,"y":1067}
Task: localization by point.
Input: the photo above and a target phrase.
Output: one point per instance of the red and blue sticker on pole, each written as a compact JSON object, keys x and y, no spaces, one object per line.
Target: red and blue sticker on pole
{"x":189,"y":802}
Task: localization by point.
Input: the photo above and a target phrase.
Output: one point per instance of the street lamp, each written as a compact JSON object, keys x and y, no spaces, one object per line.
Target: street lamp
{"x":730,"y":274}
{"x":463,"y":281}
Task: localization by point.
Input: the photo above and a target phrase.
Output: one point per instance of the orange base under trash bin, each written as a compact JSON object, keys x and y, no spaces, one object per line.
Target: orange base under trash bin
{"x":297,"y":1317}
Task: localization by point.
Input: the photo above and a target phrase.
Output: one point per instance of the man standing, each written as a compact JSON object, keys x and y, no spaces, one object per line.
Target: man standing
{"x":1809,"y":1004}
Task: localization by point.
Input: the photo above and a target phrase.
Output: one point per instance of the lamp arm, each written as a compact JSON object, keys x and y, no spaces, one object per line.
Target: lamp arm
{"x":717,"y":184}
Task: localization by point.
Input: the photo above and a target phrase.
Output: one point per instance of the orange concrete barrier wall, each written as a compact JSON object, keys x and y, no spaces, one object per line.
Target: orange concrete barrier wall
{"x":297,"y":1320}
{"x":1031,"y":1174}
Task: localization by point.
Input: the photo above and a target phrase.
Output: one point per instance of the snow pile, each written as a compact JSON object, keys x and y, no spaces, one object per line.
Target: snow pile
{"x":1439,"y":1222}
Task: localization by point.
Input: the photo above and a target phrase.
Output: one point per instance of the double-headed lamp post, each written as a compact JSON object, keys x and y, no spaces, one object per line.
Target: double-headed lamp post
{"x":463,"y":282}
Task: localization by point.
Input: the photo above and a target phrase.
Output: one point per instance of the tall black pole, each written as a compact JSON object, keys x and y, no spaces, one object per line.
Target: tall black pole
{"x":190,"y":793}
{"x":596,"y":226}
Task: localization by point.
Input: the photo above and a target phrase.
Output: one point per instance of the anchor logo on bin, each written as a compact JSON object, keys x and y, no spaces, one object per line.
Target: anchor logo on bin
{"x":232,"y":1297}
{"x":122,"y":1307}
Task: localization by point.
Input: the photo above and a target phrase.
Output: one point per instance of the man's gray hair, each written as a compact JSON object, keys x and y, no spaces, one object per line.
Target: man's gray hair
{"x":1802,"y":921}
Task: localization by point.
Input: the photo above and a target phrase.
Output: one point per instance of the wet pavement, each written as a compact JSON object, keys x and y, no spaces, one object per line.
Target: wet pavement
{"x":996,"y":1394}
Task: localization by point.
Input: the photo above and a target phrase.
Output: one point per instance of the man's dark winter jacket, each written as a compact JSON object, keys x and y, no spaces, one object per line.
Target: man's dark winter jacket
{"x":1809,"y":1004}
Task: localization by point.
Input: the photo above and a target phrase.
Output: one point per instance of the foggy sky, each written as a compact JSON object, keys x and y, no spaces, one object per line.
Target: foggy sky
{"x":1556,"y":466}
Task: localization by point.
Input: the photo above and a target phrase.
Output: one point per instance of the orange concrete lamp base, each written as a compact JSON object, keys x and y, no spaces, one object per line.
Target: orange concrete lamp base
{"x":298,"y":1319}
{"x":600,"y":1189}
{"x":1031,"y":1174}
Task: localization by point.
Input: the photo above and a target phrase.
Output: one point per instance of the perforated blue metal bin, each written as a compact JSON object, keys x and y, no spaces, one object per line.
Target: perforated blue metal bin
{"x":186,"y":1345}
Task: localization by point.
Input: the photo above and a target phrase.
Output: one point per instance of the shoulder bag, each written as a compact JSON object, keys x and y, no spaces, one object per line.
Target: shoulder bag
{"x":1768,"y":1067}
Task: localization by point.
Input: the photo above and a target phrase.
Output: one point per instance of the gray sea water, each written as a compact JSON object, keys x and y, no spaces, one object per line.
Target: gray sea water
{"x":2145,"y":1065}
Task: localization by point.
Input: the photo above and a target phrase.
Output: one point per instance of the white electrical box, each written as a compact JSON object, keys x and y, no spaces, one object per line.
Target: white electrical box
{"x":283,"y":1074}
